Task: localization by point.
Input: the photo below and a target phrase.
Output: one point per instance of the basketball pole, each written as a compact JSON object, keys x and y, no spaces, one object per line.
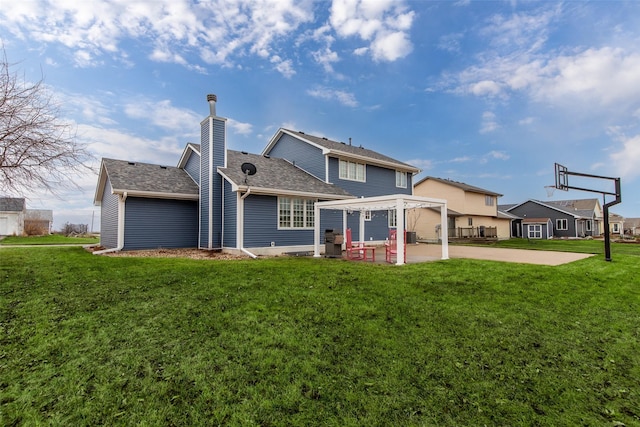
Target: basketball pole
{"x":562,"y":183}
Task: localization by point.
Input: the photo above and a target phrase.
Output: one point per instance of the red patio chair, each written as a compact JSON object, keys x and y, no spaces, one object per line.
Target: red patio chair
{"x":391,"y":247}
{"x":357,"y":250}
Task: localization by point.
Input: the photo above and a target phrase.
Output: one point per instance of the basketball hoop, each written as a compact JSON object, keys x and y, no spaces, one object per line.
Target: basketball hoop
{"x":550,"y":189}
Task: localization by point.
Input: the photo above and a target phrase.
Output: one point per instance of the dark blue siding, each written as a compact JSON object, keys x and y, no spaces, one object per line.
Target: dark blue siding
{"x":261,"y":225}
{"x":159,"y":223}
{"x":204,"y":184}
{"x":534,"y":210}
{"x":302,"y":154}
{"x":379,"y":181}
{"x":230,"y":218}
{"x":376,"y":229}
{"x":193,"y":167}
{"x":109,"y":218}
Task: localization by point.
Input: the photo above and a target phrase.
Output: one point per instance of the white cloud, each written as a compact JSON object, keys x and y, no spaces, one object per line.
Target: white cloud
{"x":162,"y":114}
{"x":489,"y":122}
{"x":240,"y":127}
{"x":626,"y":160}
{"x":423,"y":164}
{"x":500,"y":155}
{"x":383,"y":23}
{"x":344,"y":98}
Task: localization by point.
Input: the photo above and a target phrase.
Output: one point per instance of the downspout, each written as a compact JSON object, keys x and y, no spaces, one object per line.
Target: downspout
{"x":120,"y":244}
{"x":252,"y":255}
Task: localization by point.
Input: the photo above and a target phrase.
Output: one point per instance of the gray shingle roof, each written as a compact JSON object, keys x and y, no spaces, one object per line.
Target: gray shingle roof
{"x":276,"y":174}
{"x":146,"y":177}
{"x":12,"y":204}
{"x":356,"y":150}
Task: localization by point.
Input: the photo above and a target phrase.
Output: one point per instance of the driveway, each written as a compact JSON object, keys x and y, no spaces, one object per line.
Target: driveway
{"x":427,"y":252}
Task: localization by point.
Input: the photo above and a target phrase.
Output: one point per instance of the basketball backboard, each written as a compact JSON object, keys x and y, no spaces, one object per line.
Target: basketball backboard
{"x":562,"y":178}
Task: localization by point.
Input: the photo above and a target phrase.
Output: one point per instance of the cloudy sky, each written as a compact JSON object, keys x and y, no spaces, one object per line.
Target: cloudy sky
{"x":487,"y":93}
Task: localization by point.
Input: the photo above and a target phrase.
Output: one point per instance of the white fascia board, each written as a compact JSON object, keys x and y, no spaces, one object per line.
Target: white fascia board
{"x":157,"y":195}
{"x":234,"y":186}
{"x":278,"y":192}
{"x":184,"y":157}
{"x":102,"y":180}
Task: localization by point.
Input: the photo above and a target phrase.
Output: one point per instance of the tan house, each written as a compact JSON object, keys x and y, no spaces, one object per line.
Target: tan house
{"x":616,"y":225}
{"x":472,"y":211}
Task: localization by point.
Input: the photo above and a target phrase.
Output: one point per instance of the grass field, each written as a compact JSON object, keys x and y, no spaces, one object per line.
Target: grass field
{"x":51,"y":239}
{"x":94,"y":340}
{"x":594,"y":246}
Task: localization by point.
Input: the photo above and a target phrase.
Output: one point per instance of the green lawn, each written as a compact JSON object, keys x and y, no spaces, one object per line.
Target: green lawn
{"x":51,"y":239}
{"x":94,"y":340}
{"x":594,"y":246}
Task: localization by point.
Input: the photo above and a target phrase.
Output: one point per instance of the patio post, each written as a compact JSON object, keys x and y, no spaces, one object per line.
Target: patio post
{"x":444,"y":227}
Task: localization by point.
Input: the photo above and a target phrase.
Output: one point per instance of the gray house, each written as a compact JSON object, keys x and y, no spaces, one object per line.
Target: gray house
{"x":221,"y":199}
{"x":562,"y":218}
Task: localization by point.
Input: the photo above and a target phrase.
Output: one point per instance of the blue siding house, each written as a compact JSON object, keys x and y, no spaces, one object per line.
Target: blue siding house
{"x":221,"y":199}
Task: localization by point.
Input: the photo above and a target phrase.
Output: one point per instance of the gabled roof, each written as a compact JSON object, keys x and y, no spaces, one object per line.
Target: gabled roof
{"x":555,"y":207}
{"x":341,"y":149}
{"x":276,"y":176}
{"x":460,"y":185}
{"x":12,"y":204}
{"x":145,"y":180}
{"x":186,"y":153}
{"x":582,"y":207}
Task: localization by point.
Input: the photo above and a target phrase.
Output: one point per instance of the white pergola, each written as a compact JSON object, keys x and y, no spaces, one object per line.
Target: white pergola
{"x":399,"y":202}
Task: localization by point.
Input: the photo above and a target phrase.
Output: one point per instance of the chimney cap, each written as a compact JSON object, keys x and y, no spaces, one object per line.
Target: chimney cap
{"x":212,"y":97}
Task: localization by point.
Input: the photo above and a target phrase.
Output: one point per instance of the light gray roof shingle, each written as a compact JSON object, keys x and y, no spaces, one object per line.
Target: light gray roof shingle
{"x":276,"y":174}
{"x":147,"y":177}
{"x":12,"y":204}
{"x":356,"y":150}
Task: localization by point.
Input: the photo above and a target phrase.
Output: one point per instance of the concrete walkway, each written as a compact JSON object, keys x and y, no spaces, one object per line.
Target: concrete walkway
{"x":422,"y":252}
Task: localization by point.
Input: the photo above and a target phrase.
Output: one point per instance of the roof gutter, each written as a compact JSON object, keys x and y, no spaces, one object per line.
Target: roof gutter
{"x":120,"y":244}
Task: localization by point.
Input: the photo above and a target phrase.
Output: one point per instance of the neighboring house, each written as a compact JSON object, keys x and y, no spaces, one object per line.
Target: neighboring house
{"x":569,"y":218}
{"x":616,"y":224}
{"x":632,"y":226}
{"x":472,"y":211}
{"x":16,"y":219}
{"x":12,"y":212}
{"x":223,"y":199}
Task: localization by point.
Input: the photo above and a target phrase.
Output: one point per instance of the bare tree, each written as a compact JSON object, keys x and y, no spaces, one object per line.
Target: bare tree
{"x":37,"y":148}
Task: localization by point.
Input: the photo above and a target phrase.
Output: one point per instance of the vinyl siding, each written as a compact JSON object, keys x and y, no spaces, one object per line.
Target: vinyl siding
{"x":192,"y":167}
{"x":218,"y":161}
{"x":109,"y":218}
{"x":379,"y":181}
{"x":204,"y":185}
{"x":230,"y":218}
{"x":302,"y":154}
{"x":160,"y":223}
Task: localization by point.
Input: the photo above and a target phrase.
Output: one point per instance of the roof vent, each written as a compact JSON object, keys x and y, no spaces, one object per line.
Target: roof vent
{"x":349,"y":140}
{"x":244,"y":152}
{"x":212,"y":99}
{"x":301,"y":132}
{"x":163,"y":167}
{"x":325,"y":138}
{"x":266,"y":156}
{"x":132,"y":163}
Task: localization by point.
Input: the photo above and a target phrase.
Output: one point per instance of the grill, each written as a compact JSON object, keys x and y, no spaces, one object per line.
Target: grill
{"x":333,"y":243}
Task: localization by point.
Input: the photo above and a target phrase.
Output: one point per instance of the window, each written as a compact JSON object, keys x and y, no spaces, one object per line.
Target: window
{"x":616,"y":227}
{"x":470,"y":222}
{"x":295,"y":213}
{"x":367,"y":215}
{"x":401,"y":179}
{"x":393,"y":221}
{"x":562,"y":224}
{"x":488,"y":200}
{"x":588,"y":223}
{"x":352,"y":171}
{"x":535,"y":231}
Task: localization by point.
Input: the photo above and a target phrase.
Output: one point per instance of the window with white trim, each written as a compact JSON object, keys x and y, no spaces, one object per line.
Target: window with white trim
{"x":295,"y":213}
{"x":352,"y":171}
{"x":367,"y":215}
{"x":393,"y":220}
{"x":401,"y":179}
{"x":616,"y":227}
{"x":562,"y":224}
{"x":488,"y":200}
{"x":534,"y":231}
{"x":588,"y":225}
